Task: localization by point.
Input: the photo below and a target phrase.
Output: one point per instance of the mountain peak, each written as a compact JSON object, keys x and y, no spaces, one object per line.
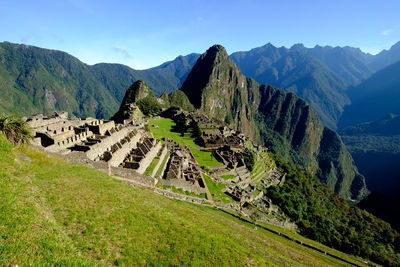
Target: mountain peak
{"x":206,"y":70}
{"x":215,"y":52}
{"x":298,"y":46}
{"x":217,"y":47}
{"x":138,"y":90}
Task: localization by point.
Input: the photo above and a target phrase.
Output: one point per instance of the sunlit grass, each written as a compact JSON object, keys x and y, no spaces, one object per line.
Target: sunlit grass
{"x":58,"y":213}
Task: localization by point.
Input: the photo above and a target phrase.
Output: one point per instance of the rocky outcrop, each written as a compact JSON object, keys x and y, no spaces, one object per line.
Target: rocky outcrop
{"x":282,"y":121}
{"x":128,"y":109}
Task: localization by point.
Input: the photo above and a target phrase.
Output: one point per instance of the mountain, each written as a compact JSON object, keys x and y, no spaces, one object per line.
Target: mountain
{"x":138,"y":94}
{"x":384,"y":207}
{"x":319,"y":75}
{"x":386,"y":57}
{"x":375,"y":147}
{"x":349,"y":63}
{"x":374,"y":98}
{"x":37,"y":80}
{"x":283,"y":122}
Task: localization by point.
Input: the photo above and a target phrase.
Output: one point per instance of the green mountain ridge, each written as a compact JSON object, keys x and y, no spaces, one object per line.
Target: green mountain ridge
{"x":37,"y":80}
{"x":320,"y":75}
{"x":282,"y":121}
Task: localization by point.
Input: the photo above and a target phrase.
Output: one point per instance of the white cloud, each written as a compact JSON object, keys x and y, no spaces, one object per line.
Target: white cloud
{"x":387,"y":32}
{"x":123,"y":52}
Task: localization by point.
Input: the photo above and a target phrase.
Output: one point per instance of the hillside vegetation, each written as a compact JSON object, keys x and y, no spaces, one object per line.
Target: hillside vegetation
{"x":58,"y":213}
{"x":37,"y":80}
{"x":325,"y":217}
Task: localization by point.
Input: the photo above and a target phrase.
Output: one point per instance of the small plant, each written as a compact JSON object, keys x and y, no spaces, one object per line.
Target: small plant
{"x":16,"y":130}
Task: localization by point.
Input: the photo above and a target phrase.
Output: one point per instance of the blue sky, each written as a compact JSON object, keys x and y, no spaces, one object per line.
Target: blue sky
{"x":143,"y":34}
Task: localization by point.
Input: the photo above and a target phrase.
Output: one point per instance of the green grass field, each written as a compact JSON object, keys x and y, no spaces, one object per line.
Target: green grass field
{"x":151,"y":167}
{"x":164,"y":129}
{"x":58,"y":213}
{"x":228,"y":176}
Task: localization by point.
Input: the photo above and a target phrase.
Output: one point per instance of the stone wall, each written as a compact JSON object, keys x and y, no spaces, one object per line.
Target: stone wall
{"x":119,"y":156}
{"x":132,"y":174}
{"x":101,"y":126}
{"x":97,"y":150}
{"x":37,"y":122}
{"x":181,"y":197}
{"x":68,"y":142}
{"x":148,"y":158}
{"x":163,"y":167}
{"x":182,"y":184}
{"x":162,"y":156}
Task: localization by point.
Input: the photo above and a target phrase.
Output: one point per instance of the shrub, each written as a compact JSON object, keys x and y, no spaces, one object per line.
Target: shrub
{"x":16,"y":130}
{"x":249,"y":160}
{"x":149,"y":106}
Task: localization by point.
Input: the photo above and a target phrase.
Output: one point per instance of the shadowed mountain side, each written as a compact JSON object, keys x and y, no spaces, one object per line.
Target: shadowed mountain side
{"x":374,"y":98}
{"x":375,"y":147}
{"x":319,"y":75}
{"x":291,"y":128}
{"x":282,"y":121}
{"x":386,"y":57}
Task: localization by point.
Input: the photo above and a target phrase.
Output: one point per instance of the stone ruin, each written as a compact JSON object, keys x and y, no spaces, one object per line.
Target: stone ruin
{"x":182,"y":170}
{"x":231,"y":159}
{"x":99,"y":140}
{"x":140,"y":157}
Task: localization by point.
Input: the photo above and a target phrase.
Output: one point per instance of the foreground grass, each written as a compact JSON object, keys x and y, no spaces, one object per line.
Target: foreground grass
{"x":58,"y":213}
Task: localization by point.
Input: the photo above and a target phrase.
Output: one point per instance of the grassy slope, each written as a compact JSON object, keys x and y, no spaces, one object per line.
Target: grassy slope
{"x":204,"y":158}
{"x":54,"y":212}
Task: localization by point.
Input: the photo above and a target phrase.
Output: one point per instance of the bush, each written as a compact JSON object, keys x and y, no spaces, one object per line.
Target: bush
{"x":149,"y":106}
{"x":249,"y":160}
{"x":16,"y":130}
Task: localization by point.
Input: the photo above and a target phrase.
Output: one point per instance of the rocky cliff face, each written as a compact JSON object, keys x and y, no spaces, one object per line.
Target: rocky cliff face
{"x":282,"y":121}
{"x":137,"y":91}
{"x":217,"y":87}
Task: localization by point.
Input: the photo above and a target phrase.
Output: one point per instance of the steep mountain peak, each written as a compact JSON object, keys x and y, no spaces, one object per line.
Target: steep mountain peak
{"x":208,"y":69}
{"x":298,"y":46}
{"x":215,"y":53}
{"x":217,"y":87}
{"x":138,"y":90}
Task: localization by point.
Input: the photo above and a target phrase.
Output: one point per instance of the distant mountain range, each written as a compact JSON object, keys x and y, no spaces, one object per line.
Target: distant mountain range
{"x":374,"y":98}
{"x":42,"y":80}
{"x":37,"y":80}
